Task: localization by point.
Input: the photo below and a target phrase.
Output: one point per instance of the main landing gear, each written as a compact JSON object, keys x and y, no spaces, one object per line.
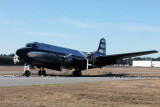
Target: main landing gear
{"x":77,"y":72}
{"x":42,"y":72}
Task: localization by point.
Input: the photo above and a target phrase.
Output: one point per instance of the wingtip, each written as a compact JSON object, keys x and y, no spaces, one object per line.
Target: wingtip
{"x":154,"y":51}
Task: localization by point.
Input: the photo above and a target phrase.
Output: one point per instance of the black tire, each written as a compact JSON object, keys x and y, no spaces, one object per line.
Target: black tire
{"x":77,"y":73}
{"x":44,"y":73}
{"x":27,"y":73}
{"x":40,"y":73}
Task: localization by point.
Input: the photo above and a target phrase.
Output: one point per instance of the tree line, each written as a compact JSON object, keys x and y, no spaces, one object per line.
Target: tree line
{"x":8,"y":60}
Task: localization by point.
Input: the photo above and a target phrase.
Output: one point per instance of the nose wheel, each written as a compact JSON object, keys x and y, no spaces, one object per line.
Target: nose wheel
{"x":27,"y":72}
{"x":42,"y":72}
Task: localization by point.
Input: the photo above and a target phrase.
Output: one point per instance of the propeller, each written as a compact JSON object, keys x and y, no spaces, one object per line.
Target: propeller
{"x":68,"y":55}
{"x":87,"y":57}
{"x":64,"y":59}
{"x":15,"y":59}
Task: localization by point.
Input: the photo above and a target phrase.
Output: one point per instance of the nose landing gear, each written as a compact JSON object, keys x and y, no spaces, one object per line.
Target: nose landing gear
{"x":27,"y":72}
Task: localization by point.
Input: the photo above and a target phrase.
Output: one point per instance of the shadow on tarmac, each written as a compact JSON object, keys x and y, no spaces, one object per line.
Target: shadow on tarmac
{"x":104,"y":75}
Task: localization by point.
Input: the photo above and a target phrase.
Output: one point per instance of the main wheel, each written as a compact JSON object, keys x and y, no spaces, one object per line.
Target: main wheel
{"x":44,"y":73}
{"x":40,"y":73}
{"x":77,"y":73}
{"x":27,"y":73}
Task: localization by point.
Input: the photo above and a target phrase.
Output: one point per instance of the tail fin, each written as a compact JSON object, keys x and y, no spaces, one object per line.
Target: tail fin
{"x":102,"y":47}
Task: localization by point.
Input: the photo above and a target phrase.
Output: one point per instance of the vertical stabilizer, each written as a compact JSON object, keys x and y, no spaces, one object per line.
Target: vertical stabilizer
{"x":102,"y":47}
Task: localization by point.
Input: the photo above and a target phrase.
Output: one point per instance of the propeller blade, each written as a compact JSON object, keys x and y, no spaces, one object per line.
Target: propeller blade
{"x":68,"y":55}
{"x":82,"y":53}
{"x":15,"y":59}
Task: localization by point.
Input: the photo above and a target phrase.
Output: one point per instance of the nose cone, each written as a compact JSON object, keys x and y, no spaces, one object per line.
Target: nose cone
{"x":22,"y":52}
{"x":19,"y":52}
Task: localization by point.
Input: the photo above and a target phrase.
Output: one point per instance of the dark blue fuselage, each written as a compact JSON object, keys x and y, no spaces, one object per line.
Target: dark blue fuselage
{"x":49,"y":56}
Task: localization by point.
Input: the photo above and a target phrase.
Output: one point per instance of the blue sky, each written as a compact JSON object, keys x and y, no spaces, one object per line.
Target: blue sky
{"x":127,"y":25}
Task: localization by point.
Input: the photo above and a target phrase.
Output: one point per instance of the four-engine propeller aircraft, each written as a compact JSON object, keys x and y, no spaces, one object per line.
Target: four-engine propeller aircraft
{"x":53,"y":57}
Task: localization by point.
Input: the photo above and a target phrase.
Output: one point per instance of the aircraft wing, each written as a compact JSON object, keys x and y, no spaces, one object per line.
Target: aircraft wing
{"x":104,"y":60}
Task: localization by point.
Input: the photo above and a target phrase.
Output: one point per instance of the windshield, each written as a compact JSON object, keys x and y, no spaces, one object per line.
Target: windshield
{"x":30,"y":45}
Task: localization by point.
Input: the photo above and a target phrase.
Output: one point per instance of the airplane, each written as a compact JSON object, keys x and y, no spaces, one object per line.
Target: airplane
{"x":42,"y":56}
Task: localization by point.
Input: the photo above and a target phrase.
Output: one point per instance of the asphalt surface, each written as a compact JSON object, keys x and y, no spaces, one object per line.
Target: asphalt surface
{"x":15,"y":80}
{"x":36,"y":72}
{"x":11,"y":80}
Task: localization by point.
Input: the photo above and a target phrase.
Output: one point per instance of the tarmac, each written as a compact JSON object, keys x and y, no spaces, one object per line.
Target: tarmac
{"x":19,"y":80}
{"x":13,"y":80}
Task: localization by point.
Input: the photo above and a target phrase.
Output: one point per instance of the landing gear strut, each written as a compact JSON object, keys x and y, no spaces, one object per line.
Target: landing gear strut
{"x":27,"y":72}
{"x":42,"y":72}
{"x":77,"y":72}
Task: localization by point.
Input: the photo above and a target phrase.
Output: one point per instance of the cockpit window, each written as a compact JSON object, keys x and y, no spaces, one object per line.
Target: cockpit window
{"x":31,"y":45}
{"x":34,"y":46}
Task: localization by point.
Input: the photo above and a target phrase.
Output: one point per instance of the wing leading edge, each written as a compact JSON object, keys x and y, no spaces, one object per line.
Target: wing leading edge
{"x":104,"y":60}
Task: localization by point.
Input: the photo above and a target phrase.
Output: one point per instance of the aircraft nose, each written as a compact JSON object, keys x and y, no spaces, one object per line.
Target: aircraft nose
{"x":18,"y":52}
{"x":21,"y":52}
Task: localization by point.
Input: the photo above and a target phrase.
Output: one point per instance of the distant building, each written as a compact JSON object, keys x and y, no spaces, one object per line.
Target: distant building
{"x":146,"y":63}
